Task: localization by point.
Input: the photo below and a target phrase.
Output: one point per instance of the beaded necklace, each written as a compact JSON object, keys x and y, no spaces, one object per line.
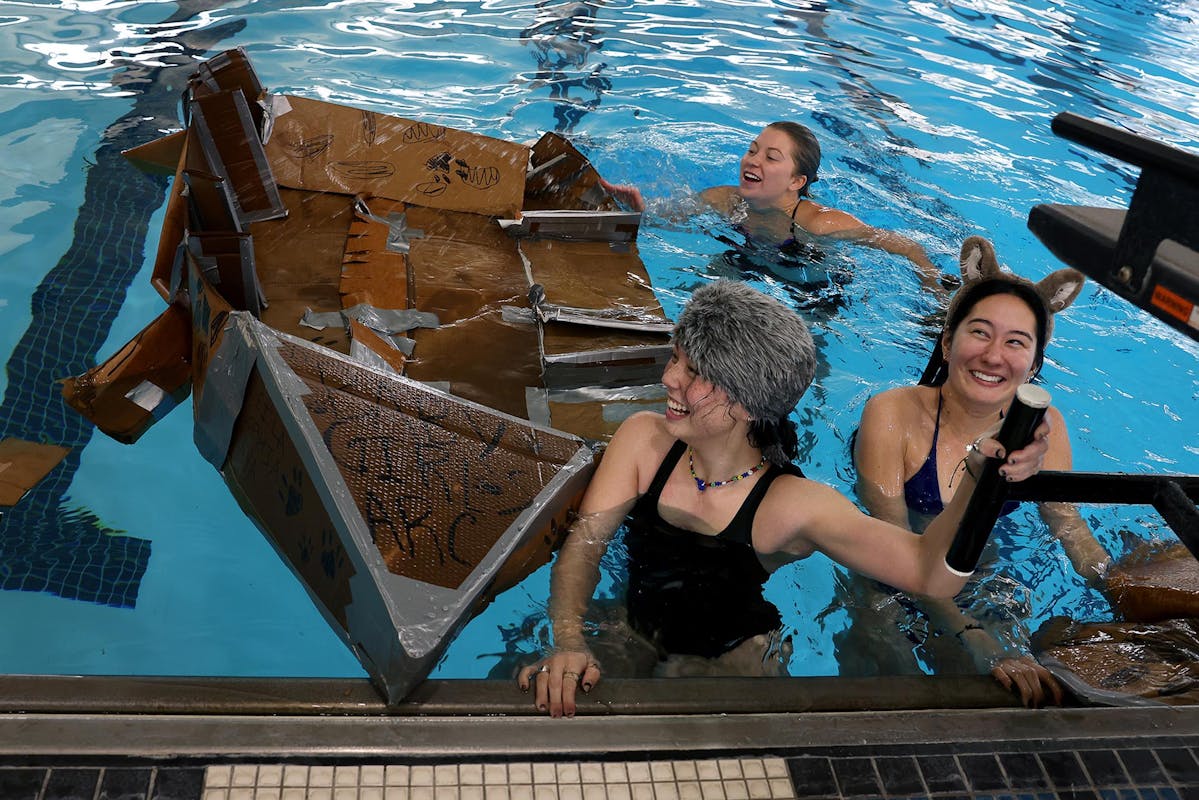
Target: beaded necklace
{"x":702,"y":484}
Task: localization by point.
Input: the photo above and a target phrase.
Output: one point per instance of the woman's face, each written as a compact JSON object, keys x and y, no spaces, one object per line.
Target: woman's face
{"x":693,"y":403}
{"x":768,"y":178}
{"x":993,"y":349}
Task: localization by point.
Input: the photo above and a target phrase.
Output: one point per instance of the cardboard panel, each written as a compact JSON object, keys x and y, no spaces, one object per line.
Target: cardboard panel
{"x":327,"y":147}
{"x":226,"y":132}
{"x":23,"y":464}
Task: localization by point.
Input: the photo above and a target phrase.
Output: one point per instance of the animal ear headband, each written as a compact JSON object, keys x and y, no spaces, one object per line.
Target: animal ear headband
{"x":978,"y":263}
{"x":1058,"y":289}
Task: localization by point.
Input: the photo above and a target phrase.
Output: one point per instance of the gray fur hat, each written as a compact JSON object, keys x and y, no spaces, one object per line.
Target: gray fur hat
{"x":751,"y":345}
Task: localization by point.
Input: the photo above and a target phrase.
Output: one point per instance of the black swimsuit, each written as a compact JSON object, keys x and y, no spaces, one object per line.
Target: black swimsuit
{"x":692,"y":593}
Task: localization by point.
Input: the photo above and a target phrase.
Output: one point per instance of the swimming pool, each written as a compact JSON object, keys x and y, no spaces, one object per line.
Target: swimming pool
{"x":934,"y":121}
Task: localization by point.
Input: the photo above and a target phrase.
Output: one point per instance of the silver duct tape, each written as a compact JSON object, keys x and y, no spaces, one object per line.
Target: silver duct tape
{"x":382,"y":320}
{"x":518,"y":315}
{"x":398,"y":232}
{"x":146,"y":396}
{"x":363,"y":354}
{"x":220,"y":400}
{"x":537,"y":405}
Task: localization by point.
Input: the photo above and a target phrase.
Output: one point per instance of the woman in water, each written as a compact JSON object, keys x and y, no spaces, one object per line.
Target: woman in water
{"x":713,"y":503}
{"x":909,"y":445}
{"x":772,"y":201}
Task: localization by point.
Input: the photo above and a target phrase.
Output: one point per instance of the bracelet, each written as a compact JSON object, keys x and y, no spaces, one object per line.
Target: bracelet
{"x":973,"y":626}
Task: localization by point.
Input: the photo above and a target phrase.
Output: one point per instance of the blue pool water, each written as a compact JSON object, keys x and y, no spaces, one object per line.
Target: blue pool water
{"x":934,"y":119}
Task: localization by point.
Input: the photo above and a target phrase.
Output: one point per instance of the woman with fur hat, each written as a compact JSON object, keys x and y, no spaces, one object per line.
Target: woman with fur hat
{"x":909,"y":445}
{"x":772,"y":199}
{"x":712,"y":503}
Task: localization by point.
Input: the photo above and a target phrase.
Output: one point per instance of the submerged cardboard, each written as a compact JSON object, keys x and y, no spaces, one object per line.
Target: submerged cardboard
{"x":23,"y":464}
{"x":326,"y":147}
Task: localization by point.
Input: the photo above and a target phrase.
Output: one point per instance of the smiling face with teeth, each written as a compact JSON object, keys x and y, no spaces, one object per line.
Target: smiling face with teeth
{"x":993,"y":350}
{"x":769,"y":172}
{"x":693,"y":401}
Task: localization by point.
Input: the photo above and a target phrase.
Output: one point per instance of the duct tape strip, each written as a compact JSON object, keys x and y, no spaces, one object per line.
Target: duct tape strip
{"x":382,"y":320}
{"x":398,"y":232}
{"x":219,"y":403}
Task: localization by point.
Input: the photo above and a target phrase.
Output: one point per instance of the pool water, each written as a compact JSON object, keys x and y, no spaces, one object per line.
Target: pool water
{"x":934,"y":120}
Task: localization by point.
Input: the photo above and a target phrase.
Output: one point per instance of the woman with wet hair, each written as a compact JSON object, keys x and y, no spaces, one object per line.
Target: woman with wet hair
{"x":908,"y":449}
{"x":712,"y":503}
{"x":772,"y":199}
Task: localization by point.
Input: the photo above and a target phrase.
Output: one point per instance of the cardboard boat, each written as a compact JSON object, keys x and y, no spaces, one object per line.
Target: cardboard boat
{"x":405,"y":346}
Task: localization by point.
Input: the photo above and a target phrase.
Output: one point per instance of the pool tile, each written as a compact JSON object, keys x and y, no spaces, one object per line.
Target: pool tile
{"x":1104,"y":767}
{"x":941,"y":773}
{"x":177,"y":783}
{"x":1179,"y":765}
{"x":899,"y":775}
{"x":983,"y":772}
{"x":1142,"y":766}
{"x":68,"y":784}
{"x":1064,"y":770}
{"x":812,"y":776}
{"x":1024,"y":772}
{"x":125,"y":784}
{"x":856,"y":777}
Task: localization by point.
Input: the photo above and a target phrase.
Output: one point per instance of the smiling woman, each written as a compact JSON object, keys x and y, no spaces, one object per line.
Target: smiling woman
{"x":909,"y":448}
{"x":771,"y":201}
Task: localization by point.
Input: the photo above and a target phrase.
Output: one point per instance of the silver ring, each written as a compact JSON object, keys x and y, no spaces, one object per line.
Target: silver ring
{"x":544,"y":668}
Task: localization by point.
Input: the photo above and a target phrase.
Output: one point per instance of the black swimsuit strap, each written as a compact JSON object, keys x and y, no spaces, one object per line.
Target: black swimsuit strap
{"x":664,"y":470}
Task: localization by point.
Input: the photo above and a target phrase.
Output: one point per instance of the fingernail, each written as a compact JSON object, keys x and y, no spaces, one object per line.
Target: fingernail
{"x":1001,"y":453}
{"x":586,"y":687}
{"x":541,"y":706}
{"x":1003,"y":472}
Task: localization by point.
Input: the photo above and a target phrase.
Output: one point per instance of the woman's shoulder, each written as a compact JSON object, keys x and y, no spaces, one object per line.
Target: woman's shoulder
{"x":824,"y":220}
{"x":643,"y":434}
{"x":721,"y":198}
{"x":900,"y":403}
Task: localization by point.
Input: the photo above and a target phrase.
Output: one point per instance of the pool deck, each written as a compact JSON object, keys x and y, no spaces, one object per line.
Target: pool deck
{"x":235,"y":739}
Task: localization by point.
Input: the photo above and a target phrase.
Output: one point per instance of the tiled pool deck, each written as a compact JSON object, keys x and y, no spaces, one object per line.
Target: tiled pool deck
{"x":636,"y":740}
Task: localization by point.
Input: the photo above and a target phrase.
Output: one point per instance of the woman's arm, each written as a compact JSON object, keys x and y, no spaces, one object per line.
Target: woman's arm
{"x":609,"y":496}
{"x":1089,"y":558}
{"x":878,"y":455}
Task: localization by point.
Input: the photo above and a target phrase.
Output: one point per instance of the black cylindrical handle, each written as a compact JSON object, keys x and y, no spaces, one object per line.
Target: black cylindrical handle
{"x":1027,"y":409}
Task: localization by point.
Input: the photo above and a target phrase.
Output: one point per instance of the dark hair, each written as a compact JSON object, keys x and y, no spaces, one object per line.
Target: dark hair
{"x":807,"y":151}
{"x":975,"y":293}
{"x":776,"y":437}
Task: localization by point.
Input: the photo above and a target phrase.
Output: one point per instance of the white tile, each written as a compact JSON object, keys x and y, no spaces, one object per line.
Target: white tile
{"x":242,"y":793}
{"x":244,"y":775}
{"x":322,"y":793}
{"x":267,"y":793}
{"x":736,"y":790}
{"x":345,"y":792}
{"x":445,"y":792}
{"x":775,"y":768}
{"x":421,"y":776}
{"x":520,"y":773}
{"x":396,"y":775}
{"x":689,"y":790}
{"x":520,"y":791}
{"x":707,"y":770}
{"x":445,"y":775}
{"x":615,"y":772}
{"x":753,"y":768}
{"x":781,"y":788}
{"x":545,"y":791}
{"x":495,"y":792}
{"x":217,"y":777}
{"x":758,"y":789}
{"x":270,"y":775}
{"x":371,"y":775}
{"x":642,"y":791}
{"x":216,"y":794}
{"x":495,"y":774}
{"x":294,"y":793}
{"x":570,"y":791}
{"x":638,"y":771}
{"x":712,"y":790}
{"x":421,"y":792}
{"x":666,"y":791}
{"x":685,"y":771}
{"x":545,"y":773}
{"x":591,"y":772}
{"x":661,"y":770}
{"x":370,"y":793}
{"x":595,"y":791}
{"x":729,"y":768}
{"x":295,"y":775}
{"x":470,"y":774}
{"x":395,"y":793}
{"x":568,"y":772}
{"x":345,"y":776}
{"x":619,"y":791}
{"x":473,"y":791}
{"x":320,"y":776}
